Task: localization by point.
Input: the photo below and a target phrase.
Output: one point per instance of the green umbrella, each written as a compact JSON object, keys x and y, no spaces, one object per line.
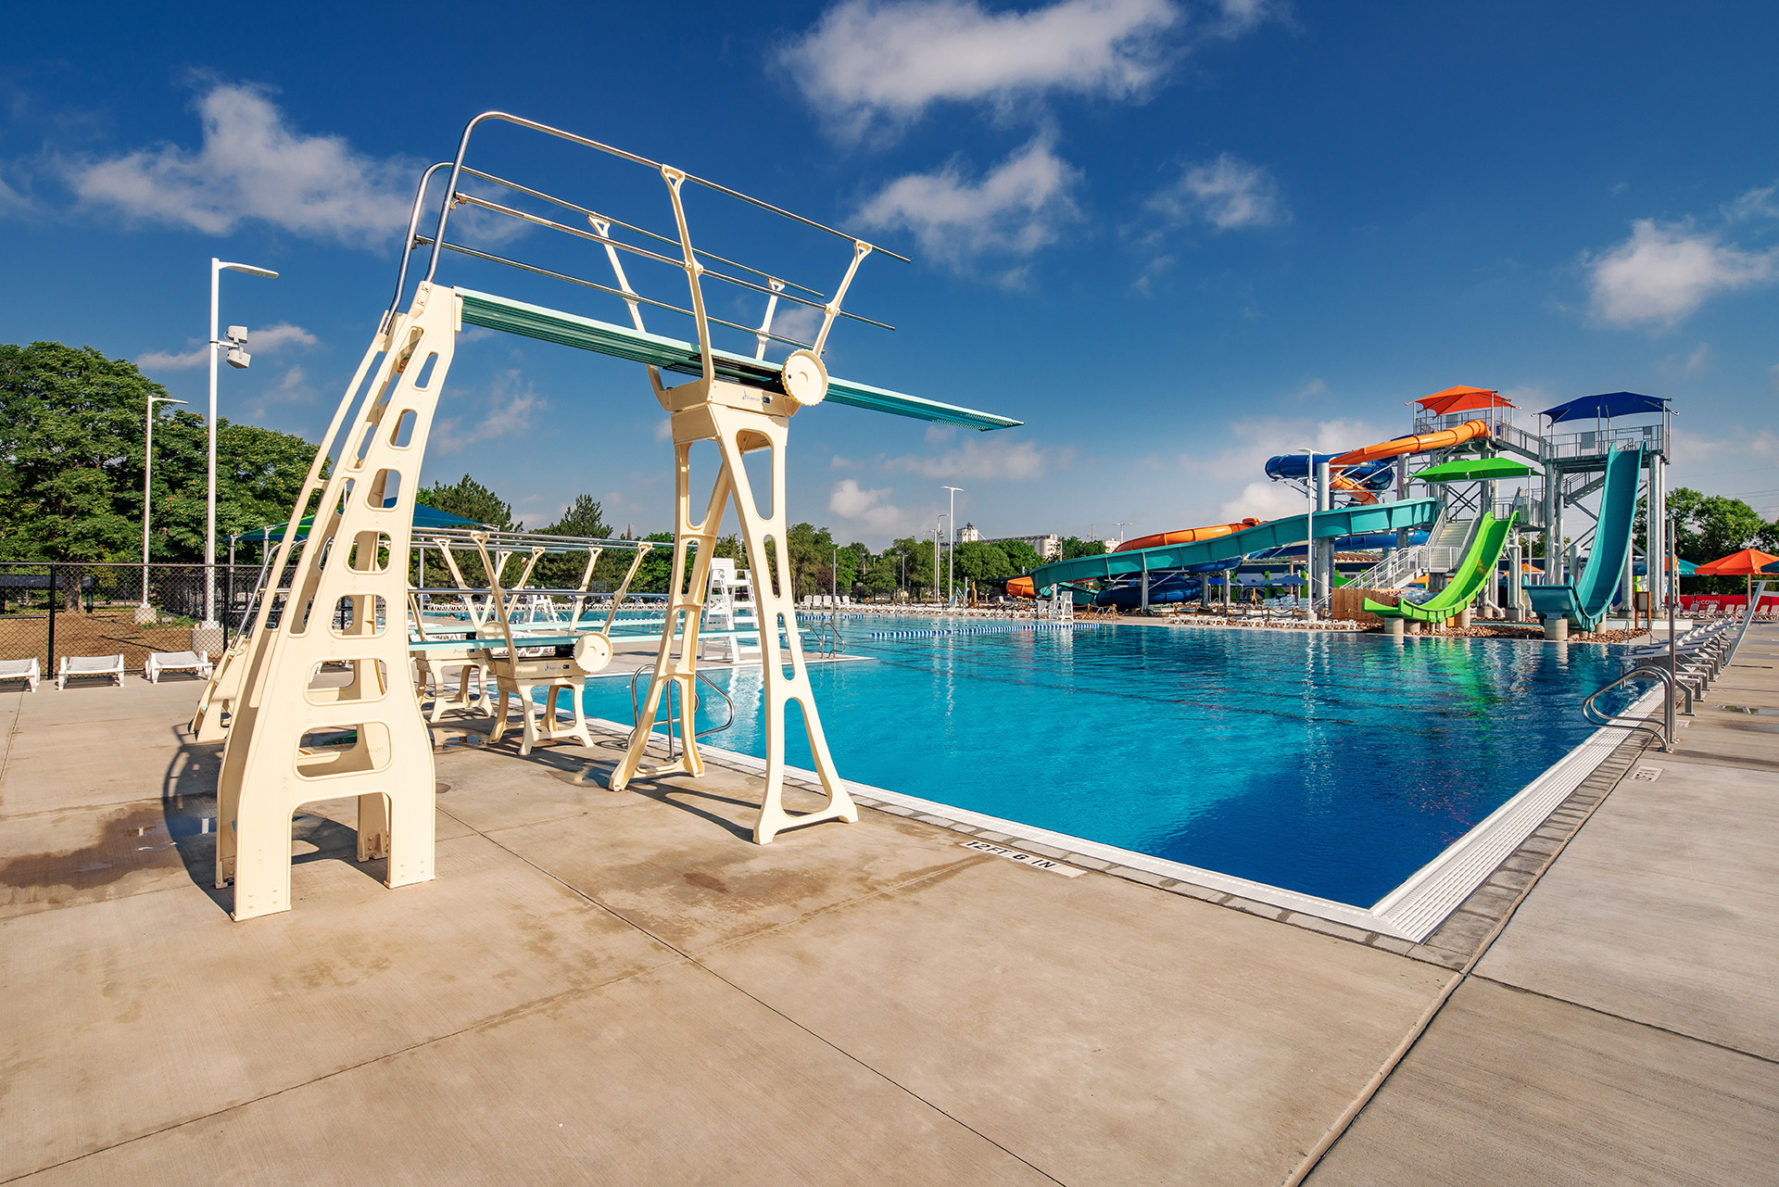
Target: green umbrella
{"x":1471,"y":469}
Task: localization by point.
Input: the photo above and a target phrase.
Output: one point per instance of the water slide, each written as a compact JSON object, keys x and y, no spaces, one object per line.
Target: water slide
{"x":1360,"y":472}
{"x":1186,"y":535}
{"x":1473,"y":574}
{"x":1585,"y":601}
{"x":1293,"y":529}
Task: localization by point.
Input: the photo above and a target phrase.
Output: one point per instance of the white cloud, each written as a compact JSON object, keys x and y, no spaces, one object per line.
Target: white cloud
{"x":269,"y":340}
{"x":867,"y":508}
{"x":798,"y":322}
{"x":875,"y":62}
{"x":1256,"y":439}
{"x":1662,"y":274}
{"x":1227,"y":193}
{"x":11,"y":201}
{"x":253,"y":166}
{"x":1003,"y":458}
{"x":1017,"y":208}
{"x":1236,"y":17}
{"x":1755,"y":204}
{"x":509,"y":410}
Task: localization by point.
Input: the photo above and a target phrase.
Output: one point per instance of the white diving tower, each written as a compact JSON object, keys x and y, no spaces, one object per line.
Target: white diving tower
{"x":338,"y":596}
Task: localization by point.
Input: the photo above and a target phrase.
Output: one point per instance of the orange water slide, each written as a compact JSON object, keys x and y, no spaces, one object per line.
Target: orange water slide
{"x":1186,"y":535}
{"x":1470,"y":430}
{"x":1021,"y":587}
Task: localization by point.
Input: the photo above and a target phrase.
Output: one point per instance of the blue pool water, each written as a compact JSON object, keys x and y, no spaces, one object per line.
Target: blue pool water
{"x":1334,"y":765}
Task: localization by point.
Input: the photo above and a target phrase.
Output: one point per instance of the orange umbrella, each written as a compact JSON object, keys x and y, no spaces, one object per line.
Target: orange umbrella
{"x":1746,"y":563}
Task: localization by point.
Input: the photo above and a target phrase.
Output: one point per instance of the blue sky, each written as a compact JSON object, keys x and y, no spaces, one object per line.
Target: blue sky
{"x":1173,"y":237}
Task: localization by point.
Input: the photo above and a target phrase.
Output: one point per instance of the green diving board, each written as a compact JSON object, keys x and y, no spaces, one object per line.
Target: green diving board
{"x":671,"y":354}
{"x":1294,"y":529}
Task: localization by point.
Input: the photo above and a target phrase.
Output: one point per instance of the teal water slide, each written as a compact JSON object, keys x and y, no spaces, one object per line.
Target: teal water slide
{"x":1584,"y":602}
{"x":1294,"y":529}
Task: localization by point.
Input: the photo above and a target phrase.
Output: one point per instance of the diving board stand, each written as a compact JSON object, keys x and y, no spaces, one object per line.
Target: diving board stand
{"x":296,"y":737}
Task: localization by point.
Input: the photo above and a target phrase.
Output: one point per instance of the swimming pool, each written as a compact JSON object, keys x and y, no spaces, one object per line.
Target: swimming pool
{"x":1331,"y":765}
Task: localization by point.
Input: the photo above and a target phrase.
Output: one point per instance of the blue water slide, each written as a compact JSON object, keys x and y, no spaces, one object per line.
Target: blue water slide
{"x":1164,"y":588}
{"x":1585,"y":601}
{"x":1293,"y":529}
{"x":1371,"y":475}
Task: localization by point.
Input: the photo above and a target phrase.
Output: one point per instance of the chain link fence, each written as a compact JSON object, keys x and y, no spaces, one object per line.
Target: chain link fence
{"x":50,"y":610}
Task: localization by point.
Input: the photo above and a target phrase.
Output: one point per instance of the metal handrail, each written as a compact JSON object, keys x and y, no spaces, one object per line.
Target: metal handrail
{"x":1663,"y":733}
{"x":672,"y":716}
{"x":828,"y":639}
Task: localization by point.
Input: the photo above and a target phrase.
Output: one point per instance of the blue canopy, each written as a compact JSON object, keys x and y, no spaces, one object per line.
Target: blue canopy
{"x":1605,"y":407}
{"x":424,"y":517}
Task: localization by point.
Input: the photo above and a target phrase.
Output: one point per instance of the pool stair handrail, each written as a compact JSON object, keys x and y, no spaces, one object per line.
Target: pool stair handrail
{"x":674,"y":717}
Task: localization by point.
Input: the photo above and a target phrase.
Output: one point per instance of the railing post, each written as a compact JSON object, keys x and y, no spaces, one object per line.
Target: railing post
{"x":55,"y":595}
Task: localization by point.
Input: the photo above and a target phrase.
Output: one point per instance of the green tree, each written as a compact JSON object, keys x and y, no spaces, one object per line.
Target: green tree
{"x":71,"y":445}
{"x":584,"y":519}
{"x":1074,"y":546}
{"x":1022,"y":556}
{"x":71,"y":461}
{"x":915,"y":558}
{"x":981,"y":562}
{"x":472,"y":500}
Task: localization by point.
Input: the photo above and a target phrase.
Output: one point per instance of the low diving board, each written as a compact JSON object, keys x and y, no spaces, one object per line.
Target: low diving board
{"x":672,"y":354}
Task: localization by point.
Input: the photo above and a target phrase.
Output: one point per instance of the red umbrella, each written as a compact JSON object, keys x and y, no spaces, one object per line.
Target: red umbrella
{"x":1746,"y":563}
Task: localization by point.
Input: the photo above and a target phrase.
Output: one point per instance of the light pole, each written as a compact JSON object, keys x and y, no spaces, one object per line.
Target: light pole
{"x":938,"y":534}
{"x":147,"y":469}
{"x":951,"y":552}
{"x":1123,"y":523}
{"x":238,"y":358}
{"x":1309,"y":546}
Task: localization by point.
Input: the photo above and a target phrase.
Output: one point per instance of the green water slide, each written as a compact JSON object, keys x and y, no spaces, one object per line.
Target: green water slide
{"x":1293,"y":529}
{"x":1585,"y":601}
{"x":1474,"y":572}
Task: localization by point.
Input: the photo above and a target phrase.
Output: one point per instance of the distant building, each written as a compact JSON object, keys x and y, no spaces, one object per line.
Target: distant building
{"x":1049,"y":547}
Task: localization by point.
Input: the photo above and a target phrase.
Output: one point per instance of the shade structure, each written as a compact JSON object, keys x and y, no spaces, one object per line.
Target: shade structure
{"x":424,"y":517}
{"x":1605,"y":407}
{"x":1463,"y":399}
{"x":1471,"y":469}
{"x":1745,"y":563}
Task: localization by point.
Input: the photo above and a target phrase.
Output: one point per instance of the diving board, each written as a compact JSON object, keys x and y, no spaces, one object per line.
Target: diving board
{"x":671,"y":354}
{"x":345,"y":587}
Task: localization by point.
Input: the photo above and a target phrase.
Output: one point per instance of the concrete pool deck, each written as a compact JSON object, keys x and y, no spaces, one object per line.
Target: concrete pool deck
{"x":607,"y":986}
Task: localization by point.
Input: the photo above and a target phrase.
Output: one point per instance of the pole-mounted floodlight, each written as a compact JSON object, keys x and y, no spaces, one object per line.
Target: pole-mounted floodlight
{"x":951,"y":552}
{"x":238,"y":358}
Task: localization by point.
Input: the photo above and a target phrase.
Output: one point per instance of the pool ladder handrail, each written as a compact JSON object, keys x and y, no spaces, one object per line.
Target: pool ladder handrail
{"x":825,"y":631}
{"x":1663,"y":733}
{"x":673,"y":715}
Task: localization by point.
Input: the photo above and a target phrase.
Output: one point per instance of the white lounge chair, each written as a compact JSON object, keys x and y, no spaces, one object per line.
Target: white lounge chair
{"x":90,"y":665}
{"x":176,"y":661}
{"x":22,"y":669}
